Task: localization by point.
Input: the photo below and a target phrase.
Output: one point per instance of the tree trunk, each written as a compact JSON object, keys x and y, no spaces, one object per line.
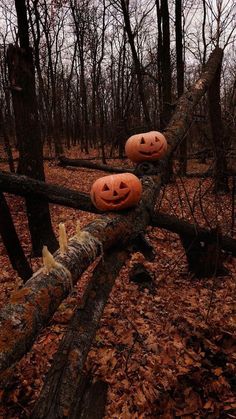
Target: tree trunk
{"x":182,"y":118}
{"x":22,"y":82}
{"x":166,"y":65}
{"x":180,"y":79}
{"x":221,"y":180}
{"x":28,"y":187}
{"x":62,"y":390}
{"x":12,"y":243}
{"x":166,"y":76}
{"x":137,"y":64}
{"x":159,"y":60}
{"x":6,"y":140}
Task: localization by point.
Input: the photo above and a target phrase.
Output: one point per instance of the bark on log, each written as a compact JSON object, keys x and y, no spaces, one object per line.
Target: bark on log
{"x":31,"y":307}
{"x":26,"y":186}
{"x":64,"y":161}
{"x":182,"y":118}
{"x":63,"y":387}
{"x":181,"y":227}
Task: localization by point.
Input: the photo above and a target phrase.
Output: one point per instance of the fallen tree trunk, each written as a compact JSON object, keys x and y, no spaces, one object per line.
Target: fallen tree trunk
{"x":182,"y":118}
{"x":26,"y":186}
{"x":181,"y":227}
{"x":64,"y":161}
{"x":31,"y":307}
{"x":63,"y":387}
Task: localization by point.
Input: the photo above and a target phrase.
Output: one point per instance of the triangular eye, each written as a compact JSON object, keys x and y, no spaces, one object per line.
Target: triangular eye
{"x":123,"y":185}
{"x":142,"y":141}
{"x":156,"y":139}
{"x":105,"y":187}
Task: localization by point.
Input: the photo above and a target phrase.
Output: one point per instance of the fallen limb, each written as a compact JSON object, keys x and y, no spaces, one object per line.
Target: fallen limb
{"x":31,"y":307}
{"x":26,"y":186}
{"x":64,"y":161}
{"x":181,"y":227}
{"x":182,"y":118}
{"x":64,"y":382}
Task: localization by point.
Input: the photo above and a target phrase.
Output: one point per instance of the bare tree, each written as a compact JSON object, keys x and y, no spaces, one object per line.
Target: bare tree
{"x":124,"y":5}
{"x":22,"y":82}
{"x":180,"y":77}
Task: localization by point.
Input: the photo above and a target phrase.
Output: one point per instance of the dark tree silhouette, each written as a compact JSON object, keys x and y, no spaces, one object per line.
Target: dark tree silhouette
{"x":22,"y":84}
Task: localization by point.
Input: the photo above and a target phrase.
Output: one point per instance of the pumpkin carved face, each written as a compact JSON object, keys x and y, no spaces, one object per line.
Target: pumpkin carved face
{"x":147,"y":146}
{"x":116,"y":192}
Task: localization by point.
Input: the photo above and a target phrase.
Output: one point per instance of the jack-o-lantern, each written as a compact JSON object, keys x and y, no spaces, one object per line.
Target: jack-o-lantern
{"x":147,"y":146}
{"x":116,"y":192}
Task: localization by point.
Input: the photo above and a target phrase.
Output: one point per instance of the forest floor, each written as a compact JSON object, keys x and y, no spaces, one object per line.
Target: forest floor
{"x":166,"y":351}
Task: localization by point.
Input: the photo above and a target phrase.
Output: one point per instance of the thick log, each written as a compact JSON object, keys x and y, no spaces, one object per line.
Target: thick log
{"x":31,"y":307}
{"x":64,"y":161}
{"x":26,"y":186}
{"x":182,"y":227}
{"x":64,"y":383}
{"x":182,"y":118}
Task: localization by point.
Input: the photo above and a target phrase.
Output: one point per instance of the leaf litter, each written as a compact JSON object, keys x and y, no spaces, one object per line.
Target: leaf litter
{"x":166,"y":351}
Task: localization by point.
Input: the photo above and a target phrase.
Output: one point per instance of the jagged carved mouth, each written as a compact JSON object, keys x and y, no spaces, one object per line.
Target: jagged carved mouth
{"x":116,"y":201}
{"x":151,"y":153}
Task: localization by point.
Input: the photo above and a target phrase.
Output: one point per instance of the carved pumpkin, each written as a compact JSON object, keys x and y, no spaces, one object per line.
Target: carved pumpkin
{"x":116,"y":192}
{"x":147,"y":146}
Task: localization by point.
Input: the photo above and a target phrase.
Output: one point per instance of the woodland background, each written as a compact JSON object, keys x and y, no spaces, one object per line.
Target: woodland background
{"x":77,"y":78}
{"x":107,"y":69}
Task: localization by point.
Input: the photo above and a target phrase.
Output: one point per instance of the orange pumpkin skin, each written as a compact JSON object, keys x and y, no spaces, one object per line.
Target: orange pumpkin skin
{"x":116,"y":192}
{"x":149,"y":146}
